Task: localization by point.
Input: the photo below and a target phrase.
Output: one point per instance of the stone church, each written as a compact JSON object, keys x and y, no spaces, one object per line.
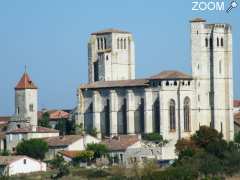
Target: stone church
{"x":172,"y":103}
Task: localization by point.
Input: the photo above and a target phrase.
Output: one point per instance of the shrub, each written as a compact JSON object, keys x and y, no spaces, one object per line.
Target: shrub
{"x":35,"y":148}
{"x":98,"y":149}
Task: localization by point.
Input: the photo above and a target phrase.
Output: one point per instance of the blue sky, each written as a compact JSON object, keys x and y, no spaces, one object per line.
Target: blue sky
{"x":50,"y":36}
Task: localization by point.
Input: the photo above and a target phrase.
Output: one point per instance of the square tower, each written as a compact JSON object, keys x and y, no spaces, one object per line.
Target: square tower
{"x":111,"y":56}
{"x":212,"y":70}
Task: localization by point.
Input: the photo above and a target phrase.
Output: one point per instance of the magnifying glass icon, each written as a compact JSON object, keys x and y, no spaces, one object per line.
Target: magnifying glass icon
{"x":233,"y":4}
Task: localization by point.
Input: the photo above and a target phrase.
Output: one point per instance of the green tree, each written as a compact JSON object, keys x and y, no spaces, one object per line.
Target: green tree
{"x":93,"y":132}
{"x":44,"y":121}
{"x":237,"y":137}
{"x":98,"y":149}
{"x":84,"y":156}
{"x":35,"y":148}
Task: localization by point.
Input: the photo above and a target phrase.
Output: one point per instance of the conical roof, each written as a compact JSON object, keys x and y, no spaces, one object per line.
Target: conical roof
{"x":25,"y":83}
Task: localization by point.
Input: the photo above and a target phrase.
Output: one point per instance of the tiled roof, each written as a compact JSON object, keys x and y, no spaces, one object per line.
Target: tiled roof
{"x":236,"y":103}
{"x":70,"y":154}
{"x":171,"y":75}
{"x":121,"y":142}
{"x":6,"y":160}
{"x":25,"y":83}
{"x":30,"y":130}
{"x":54,"y":114}
{"x":110,"y":30}
{"x":62,"y":141}
{"x":119,"y":83}
{"x":4,"y":120}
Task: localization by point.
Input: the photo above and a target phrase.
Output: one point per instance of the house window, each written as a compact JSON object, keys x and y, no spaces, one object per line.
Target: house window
{"x":31,"y":107}
{"x":187,"y":114}
{"x":24,"y":161}
{"x":172,"y":117}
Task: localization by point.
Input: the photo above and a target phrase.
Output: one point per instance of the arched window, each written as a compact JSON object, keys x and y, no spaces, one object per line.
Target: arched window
{"x":206,"y":42}
{"x":172,"y":117}
{"x":220,"y":67}
{"x":124,"y":111}
{"x":187,"y":115}
{"x":105,"y":43}
{"x":125,"y":44}
{"x":156,"y":107}
{"x":222,"y":42}
{"x":217,"y":42}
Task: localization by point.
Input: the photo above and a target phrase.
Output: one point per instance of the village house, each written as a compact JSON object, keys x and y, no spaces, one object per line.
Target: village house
{"x":68,"y":143}
{"x":12,"y":165}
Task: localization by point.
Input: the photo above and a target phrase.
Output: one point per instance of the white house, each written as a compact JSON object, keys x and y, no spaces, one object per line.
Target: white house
{"x":68,"y":143}
{"x":12,"y":165}
{"x":129,"y":149}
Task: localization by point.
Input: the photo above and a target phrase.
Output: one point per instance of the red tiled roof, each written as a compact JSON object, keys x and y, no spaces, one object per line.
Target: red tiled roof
{"x":25,"y":83}
{"x":70,"y":154}
{"x":62,"y":141}
{"x":121,"y":142}
{"x":58,"y":115}
{"x":4,"y":120}
{"x":171,"y":75}
{"x":236,"y":103}
{"x":30,"y":130}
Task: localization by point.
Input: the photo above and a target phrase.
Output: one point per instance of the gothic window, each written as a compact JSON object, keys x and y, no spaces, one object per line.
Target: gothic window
{"x":167,"y":83}
{"x":217,"y":42}
{"x":124,"y":111}
{"x":157,"y":115}
{"x":95,"y":66}
{"x":172,"y":117}
{"x":206,"y":42}
{"x":125,"y":44}
{"x":107,"y":117}
{"x":222,"y":42}
{"x":187,"y":114}
{"x":31,"y":108}
{"x":141,"y":109}
{"x":220,"y":67}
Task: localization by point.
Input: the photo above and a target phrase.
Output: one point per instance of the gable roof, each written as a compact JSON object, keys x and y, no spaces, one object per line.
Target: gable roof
{"x":171,"y":75}
{"x":109,"y":31}
{"x":25,"y":83}
{"x":62,"y":141}
{"x":6,"y":160}
{"x":121,"y":142}
{"x":70,"y":154}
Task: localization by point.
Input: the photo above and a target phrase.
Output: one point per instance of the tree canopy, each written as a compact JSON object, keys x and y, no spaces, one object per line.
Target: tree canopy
{"x":35,"y":148}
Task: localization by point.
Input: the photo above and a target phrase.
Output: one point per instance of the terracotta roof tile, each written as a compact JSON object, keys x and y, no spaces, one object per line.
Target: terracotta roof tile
{"x":4,"y":120}
{"x":171,"y":75}
{"x":70,"y":154}
{"x":62,"y":141}
{"x":58,"y":115}
{"x":110,"y":30}
{"x":29,"y":130}
{"x":25,"y":83}
{"x":121,"y":142}
{"x":236,"y":103}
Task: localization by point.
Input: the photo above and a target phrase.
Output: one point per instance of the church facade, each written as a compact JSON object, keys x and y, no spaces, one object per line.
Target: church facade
{"x":172,"y":103}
